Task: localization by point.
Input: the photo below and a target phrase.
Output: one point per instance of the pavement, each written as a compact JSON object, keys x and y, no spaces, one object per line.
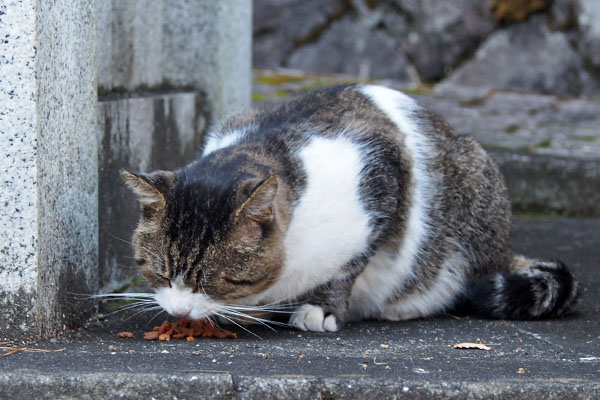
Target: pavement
{"x":550,"y":359}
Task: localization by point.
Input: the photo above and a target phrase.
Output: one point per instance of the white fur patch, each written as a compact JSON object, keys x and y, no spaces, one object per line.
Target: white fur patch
{"x":329,"y":225}
{"x":220,"y":141}
{"x":386,"y":272}
{"x":448,"y":284}
{"x":179,"y":301}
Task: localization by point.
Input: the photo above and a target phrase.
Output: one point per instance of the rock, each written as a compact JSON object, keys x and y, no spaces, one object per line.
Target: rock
{"x":562,"y":16}
{"x":437,"y":35}
{"x":277,"y":31}
{"x":363,"y":36}
{"x":536,"y":124}
{"x":528,"y":57}
{"x":350,"y":47}
{"x":589,"y":26}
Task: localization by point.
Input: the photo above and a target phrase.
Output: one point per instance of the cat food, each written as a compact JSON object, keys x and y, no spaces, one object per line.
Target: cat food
{"x":187,"y":329}
{"x":125,"y":334}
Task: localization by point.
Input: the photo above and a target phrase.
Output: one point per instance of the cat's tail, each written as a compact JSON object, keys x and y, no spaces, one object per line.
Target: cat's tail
{"x":532,"y":289}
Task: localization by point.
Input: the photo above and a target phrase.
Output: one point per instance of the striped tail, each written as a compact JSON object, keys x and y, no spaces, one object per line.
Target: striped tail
{"x":532,"y":289}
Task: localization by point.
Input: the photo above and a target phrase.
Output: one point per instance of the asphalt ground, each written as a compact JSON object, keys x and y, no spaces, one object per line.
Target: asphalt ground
{"x":414,"y":359}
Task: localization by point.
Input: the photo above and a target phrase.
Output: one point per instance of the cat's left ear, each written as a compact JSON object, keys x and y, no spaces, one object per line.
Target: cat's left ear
{"x":151,"y":189}
{"x":260,"y":206}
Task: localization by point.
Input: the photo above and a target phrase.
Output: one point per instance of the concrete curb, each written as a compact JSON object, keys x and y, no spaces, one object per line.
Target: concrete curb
{"x":550,"y":184}
{"x":26,"y":385}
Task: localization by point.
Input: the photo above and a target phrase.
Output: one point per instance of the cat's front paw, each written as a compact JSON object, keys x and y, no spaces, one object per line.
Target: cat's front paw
{"x":312,"y":318}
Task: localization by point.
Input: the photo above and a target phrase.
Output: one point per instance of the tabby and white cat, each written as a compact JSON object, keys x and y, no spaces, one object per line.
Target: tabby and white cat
{"x":352,"y":203}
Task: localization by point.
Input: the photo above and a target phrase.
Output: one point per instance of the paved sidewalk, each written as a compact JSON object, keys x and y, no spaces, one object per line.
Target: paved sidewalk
{"x":554,"y":359}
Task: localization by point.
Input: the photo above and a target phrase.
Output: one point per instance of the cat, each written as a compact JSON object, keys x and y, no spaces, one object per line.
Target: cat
{"x":351,"y":203}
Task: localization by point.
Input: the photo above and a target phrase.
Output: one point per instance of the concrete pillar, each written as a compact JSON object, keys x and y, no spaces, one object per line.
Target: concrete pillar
{"x":48,"y":167}
{"x":88,"y":88}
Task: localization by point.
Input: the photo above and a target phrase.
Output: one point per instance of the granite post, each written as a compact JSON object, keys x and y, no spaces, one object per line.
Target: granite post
{"x":49,"y":168}
{"x":88,"y":88}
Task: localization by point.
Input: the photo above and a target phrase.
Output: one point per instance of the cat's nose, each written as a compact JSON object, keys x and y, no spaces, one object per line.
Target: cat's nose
{"x":182,"y":313}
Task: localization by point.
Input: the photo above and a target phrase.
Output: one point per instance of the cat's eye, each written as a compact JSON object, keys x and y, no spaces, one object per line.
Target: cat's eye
{"x":164,"y":281}
{"x":140,"y":261}
{"x":244,"y":282}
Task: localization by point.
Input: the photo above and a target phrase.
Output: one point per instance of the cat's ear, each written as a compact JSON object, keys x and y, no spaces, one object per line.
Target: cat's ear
{"x":151,"y":189}
{"x":260,"y":206}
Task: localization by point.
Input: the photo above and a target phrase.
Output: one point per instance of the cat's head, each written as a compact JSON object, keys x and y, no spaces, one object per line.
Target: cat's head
{"x":201,"y":244}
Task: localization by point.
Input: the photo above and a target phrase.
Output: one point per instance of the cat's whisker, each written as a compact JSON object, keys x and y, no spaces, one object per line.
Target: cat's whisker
{"x":155,"y":315}
{"x":259,"y":309}
{"x":245,"y":317}
{"x":124,"y":295}
{"x":235,"y":323}
{"x":126,"y":308}
{"x":157,"y":258}
{"x":143,"y":311}
{"x":242,"y":315}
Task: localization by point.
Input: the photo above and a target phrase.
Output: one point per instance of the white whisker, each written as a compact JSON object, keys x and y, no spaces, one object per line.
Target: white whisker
{"x":143,"y":311}
{"x":235,"y":323}
{"x":262,"y":321}
{"x":155,"y":315}
{"x":156,"y":257}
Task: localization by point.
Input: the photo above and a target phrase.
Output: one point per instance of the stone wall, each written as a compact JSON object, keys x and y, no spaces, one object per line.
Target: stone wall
{"x":88,"y":88}
{"x":541,"y":46}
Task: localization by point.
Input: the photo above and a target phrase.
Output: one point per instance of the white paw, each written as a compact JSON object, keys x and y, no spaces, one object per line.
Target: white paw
{"x":312,"y":318}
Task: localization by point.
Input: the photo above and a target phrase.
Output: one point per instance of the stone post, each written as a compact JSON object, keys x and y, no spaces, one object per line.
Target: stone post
{"x":87,"y":88}
{"x":48,"y":168}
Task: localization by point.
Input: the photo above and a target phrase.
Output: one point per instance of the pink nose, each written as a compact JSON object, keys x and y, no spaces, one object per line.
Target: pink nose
{"x":181,"y":313}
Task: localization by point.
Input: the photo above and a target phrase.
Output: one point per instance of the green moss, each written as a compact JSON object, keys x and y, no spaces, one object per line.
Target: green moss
{"x":116,"y":305}
{"x":313,"y":86}
{"x":474,"y":102}
{"x":534,"y":214}
{"x":512,"y":128}
{"x":492,"y":146}
{"x":544,"y":144}
{"x":260,"y":96}
{"x":586,"y":138}
{"x":423,"y":89}
{"x":280,"y":79}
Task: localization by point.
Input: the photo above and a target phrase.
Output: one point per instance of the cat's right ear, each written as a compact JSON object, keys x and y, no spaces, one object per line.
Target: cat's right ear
{"x":151,"y":189}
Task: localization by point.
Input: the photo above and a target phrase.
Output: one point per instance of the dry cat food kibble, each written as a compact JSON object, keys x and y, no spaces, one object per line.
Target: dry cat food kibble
{"x":187,"y":329}
{"x":125,"y":334}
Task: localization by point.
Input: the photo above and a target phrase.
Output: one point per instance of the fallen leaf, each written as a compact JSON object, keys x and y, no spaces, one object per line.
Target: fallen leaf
{"x":479,"y":346}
